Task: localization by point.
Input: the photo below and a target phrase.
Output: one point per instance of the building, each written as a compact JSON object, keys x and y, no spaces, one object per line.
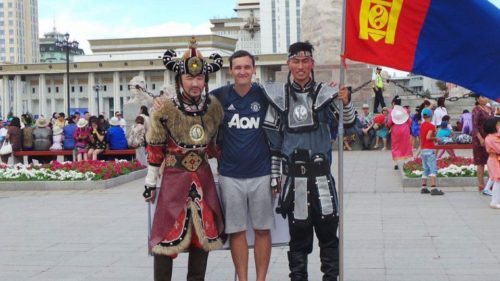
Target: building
{"x":19,"y":42}
{"x":245,"y":27}
{"x":280,"y":24}
{"x":418,"y":83}
{"x":262,"y":27}
{"x":51,"y":53}
{"x":41,"y":88}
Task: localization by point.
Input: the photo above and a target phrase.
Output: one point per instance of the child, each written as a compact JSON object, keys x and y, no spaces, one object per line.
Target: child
{"x":466,"y":121}
{"x":57,"y":138}
{"x":428,"y":153}
{"x":382,"y":130}
{"x":492,"y":145}
{"x":444,"y":135}
{"x":82,"y":137}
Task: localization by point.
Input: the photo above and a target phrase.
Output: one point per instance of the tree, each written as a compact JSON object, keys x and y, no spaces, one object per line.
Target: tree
{"x":442,"y":87}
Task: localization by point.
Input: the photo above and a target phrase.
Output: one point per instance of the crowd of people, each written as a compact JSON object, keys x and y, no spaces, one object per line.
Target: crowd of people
{"x":88,"y":135}
{"x":416,"y":134}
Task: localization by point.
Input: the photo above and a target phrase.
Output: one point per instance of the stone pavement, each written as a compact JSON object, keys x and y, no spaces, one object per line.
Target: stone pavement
{"x":391,"y":233}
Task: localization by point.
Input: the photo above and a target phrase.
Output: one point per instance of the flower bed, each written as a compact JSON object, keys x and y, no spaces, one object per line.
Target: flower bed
{"x":69,"y":171}
{"x":447,"y":167}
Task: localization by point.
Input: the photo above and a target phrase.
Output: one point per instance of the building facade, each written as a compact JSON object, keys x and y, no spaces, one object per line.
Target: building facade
{"x":19,"y":42}
{"x":245,"y":27}
{"x":50,"y":53}
{"x":40,"y":89}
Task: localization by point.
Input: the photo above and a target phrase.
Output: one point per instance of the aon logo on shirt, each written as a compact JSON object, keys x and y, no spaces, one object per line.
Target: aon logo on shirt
{"x":244,"y":122}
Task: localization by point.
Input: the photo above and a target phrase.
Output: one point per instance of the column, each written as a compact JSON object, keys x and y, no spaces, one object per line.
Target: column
{"x":64,"y":91}
{"x":90,"y":94}
{"x":42,"y":96}
{"x":116,"y":91}
{"x":76,"y":93}
{"x":166,"y":78}
{"x":100,"y":101}
{"x":19,"y":95}
{"x":52,"y":98}
{"x":5,"y":96}
{"x":258,"y":74}
{"x":218,"y":78}
{"x":149,"y":85}
{"x":30,"y":97}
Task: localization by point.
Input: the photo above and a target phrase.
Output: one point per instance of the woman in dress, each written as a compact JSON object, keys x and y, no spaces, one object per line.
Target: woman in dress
{"x":480,"y":114}
{"x":400,"y":125}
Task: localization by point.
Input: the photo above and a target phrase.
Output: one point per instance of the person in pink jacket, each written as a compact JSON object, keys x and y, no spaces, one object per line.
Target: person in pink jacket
{"x":492,"y":145}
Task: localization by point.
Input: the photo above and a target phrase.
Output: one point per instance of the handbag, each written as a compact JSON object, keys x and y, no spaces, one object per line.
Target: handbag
{"x":6,"y":148}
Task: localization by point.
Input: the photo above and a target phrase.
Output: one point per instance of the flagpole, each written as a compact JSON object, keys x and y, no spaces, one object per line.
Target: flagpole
{"x":340,"y":140}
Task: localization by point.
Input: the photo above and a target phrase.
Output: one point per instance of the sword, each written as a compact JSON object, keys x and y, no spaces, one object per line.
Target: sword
{"x":149,"y":227}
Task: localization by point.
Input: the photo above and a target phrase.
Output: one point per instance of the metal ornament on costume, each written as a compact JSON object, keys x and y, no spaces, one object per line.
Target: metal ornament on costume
{"x":192,"y":61}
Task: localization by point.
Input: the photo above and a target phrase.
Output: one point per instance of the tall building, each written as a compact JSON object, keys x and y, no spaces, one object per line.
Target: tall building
{"x":49,"y":52}
{"x":245,"y":27}
{"x":262,"y":27}
{"x":280,"y":24}
{"x":19,"y":41}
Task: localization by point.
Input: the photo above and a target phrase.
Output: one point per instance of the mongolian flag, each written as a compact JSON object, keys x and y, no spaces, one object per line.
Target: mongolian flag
{"x":452,"y":40}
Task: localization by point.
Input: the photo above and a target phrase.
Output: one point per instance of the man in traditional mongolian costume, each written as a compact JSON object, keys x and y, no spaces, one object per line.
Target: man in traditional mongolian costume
{"x":188,"y":216}
{"x":297,"y":124}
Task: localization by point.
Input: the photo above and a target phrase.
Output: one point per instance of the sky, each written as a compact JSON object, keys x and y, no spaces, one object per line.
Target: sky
{"x":98,"y":19}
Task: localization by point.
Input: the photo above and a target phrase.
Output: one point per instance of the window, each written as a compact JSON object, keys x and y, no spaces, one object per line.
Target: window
{"x":154,"y":86}
{"x":121,"y":88}
{"x":57,"y":89}
{"x":72,"y":89}
{"x":81,"y":89}
{"x":33,"y":90}
{"x":48,"y":90}
{"x":105,"y":88}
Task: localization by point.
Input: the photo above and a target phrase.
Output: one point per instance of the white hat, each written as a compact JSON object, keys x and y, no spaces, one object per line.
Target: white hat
{"x":57,"y":130}
{"x":399,"y":115}
{"x":82,"y":123}
{"x":365,"y":105}
{"x":42,"y":122}
{"x":114,"y":121}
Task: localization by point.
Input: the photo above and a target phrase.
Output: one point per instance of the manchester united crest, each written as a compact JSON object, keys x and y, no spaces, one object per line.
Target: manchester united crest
{"x":300,"y":113}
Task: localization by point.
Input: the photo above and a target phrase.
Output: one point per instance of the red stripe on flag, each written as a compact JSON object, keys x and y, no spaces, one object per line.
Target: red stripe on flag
{"x":384,"y":32}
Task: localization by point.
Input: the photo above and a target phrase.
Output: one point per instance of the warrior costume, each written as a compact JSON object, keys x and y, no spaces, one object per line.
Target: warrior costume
{"x":297,"y":125}
{"x":188,"y":216}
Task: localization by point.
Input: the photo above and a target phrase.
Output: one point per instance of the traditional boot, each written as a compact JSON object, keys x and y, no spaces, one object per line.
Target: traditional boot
{"x":297,"y":262}
{"x":329,"y":263}
{"x":162,"y":268}
{"x":197,"y":264}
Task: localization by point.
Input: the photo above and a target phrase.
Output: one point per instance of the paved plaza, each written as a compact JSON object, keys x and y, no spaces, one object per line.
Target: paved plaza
{"x":391,"y":233}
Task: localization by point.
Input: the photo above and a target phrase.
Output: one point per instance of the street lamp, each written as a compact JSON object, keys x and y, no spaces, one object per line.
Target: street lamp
{"x":67,"y":46}
{"x":97,"y":88}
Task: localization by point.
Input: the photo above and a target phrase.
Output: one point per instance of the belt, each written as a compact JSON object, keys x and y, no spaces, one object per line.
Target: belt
{"x":190,"y":161}
{"x":306,"y":169}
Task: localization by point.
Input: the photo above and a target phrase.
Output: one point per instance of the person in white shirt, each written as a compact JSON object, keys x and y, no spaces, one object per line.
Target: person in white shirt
{"x":439,"y":112}
{"x":123,"y":123}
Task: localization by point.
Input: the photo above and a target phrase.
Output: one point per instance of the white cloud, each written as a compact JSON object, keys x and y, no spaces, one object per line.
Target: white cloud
{"x":83,"y":30}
